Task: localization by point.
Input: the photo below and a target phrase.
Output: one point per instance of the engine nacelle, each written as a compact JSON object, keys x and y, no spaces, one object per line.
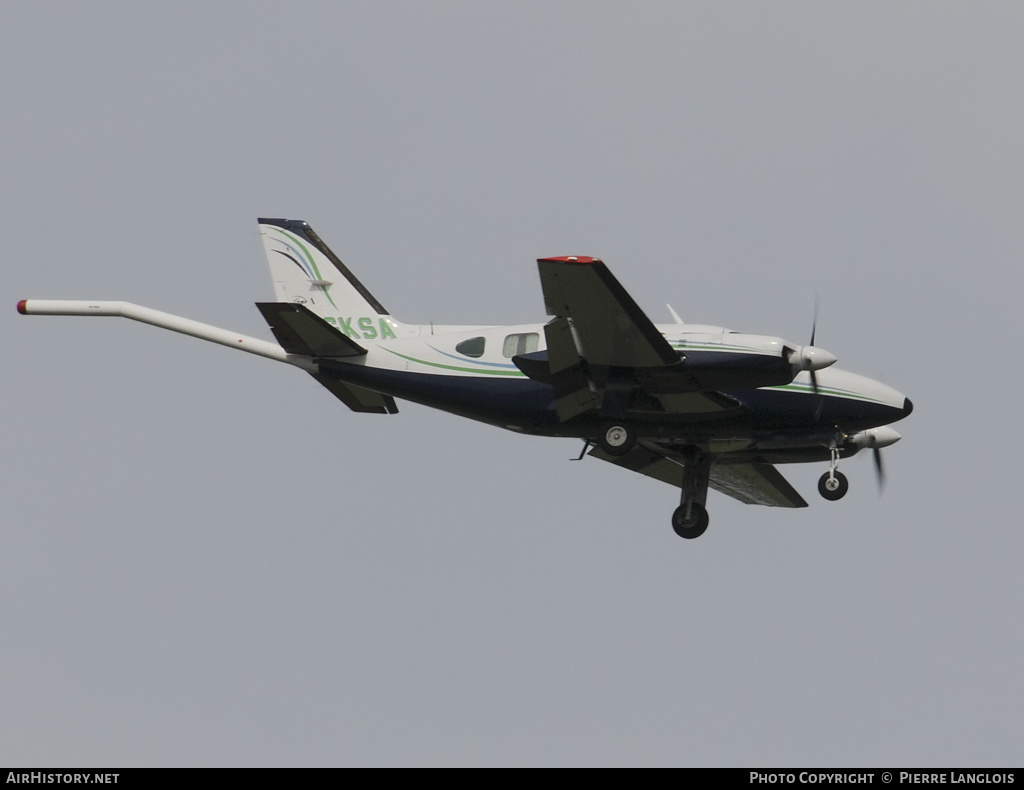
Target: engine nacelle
{"x":875,"y":438}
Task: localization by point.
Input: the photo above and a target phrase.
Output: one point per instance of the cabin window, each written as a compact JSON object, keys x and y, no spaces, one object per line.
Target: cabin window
{"x":523,"y":343}
{"x":474,"y":347}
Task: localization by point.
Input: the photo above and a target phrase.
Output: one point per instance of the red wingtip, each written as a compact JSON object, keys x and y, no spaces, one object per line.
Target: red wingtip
{"x":578,"y":259}
{"x":23,"y":306}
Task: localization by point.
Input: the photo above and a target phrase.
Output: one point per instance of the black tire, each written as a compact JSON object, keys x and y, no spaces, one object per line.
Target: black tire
{"x":838,"y":488}
{"x":617,"y":439}
{"x":695,"y":526}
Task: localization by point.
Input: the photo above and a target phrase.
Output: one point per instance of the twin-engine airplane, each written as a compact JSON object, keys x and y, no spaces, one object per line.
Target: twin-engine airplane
{"x":694,"y":406}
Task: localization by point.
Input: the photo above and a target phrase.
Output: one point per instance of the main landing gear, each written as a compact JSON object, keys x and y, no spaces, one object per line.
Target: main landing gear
{"x":690,"y":519}
{"x":617,"y":439}
{"x":833,"y":485}
{"x":690,"y":525}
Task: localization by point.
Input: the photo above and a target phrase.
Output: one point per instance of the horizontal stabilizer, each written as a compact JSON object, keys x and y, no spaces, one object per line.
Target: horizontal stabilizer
{"x":358,"y":398}
{"x":300,"y":331}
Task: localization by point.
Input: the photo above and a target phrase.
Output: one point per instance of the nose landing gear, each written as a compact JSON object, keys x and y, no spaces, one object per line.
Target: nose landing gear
{"x":833,"y":485}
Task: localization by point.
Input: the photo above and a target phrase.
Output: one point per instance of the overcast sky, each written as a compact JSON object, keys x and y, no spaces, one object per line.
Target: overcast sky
{"x":208,"y":560}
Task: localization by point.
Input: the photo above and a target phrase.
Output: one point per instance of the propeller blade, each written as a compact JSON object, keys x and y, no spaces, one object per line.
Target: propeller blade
{"x":814,"y":375}
{"x":814,"y":324}
{"x":879,"y":469}
{"x":821,"y":400}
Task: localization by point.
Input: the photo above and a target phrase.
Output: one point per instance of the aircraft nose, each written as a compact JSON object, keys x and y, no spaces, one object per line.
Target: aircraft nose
{"x":907,"y":407}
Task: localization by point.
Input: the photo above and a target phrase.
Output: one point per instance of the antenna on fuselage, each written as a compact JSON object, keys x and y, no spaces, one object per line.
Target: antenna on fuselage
{"x":675,"y":315}
{"x":583,"y":452}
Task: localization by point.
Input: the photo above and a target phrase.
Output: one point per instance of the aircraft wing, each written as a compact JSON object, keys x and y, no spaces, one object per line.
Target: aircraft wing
{"x":611,"y":327}
{"x":755,"y":484}
{"x":604,"y":354}
{"x":751,"y":483}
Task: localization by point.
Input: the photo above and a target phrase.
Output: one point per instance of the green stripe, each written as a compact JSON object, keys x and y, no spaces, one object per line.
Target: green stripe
{"x":486,"y":371}
{"x":807,"y":389}
{"x":804,"y":389}
{"x":717,"y":347}
{"x":312,"y":262}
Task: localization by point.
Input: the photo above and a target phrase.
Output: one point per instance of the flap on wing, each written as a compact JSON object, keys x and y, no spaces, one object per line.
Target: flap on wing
{"x":358,"y":398}
{"x":612,"y":330}
{"x":755,"y":484}
{"x":570,"y":378}
{"x":300,"y":331}
{"x":646,"y":462}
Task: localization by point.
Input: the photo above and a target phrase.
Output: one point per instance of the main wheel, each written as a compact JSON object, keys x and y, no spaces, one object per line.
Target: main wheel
{"x":616,"y":439}
{"x":692,"y":527}
{"x":833,"y":487}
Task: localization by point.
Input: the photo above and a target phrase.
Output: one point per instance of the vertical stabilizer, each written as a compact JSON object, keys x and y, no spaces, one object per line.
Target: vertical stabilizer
{"x":305,"y":271}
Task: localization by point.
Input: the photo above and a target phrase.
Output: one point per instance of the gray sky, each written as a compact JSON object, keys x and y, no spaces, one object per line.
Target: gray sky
{"x":208,"y":560}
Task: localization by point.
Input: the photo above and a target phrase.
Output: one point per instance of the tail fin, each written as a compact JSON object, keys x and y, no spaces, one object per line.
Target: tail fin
{"x":305,"y":271}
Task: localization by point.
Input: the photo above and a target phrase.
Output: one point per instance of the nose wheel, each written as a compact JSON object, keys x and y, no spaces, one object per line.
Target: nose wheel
{"x":833,"y":485}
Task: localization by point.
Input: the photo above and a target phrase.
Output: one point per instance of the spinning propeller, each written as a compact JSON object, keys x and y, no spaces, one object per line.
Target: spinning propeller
{"x":876,"y":439}
{"x":814,"y":331}
{"x":810,"y":357}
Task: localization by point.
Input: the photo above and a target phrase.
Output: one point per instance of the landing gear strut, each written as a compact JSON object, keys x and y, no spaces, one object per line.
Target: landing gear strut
{"x":833,"y":485}
{"x":690,"y":519}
